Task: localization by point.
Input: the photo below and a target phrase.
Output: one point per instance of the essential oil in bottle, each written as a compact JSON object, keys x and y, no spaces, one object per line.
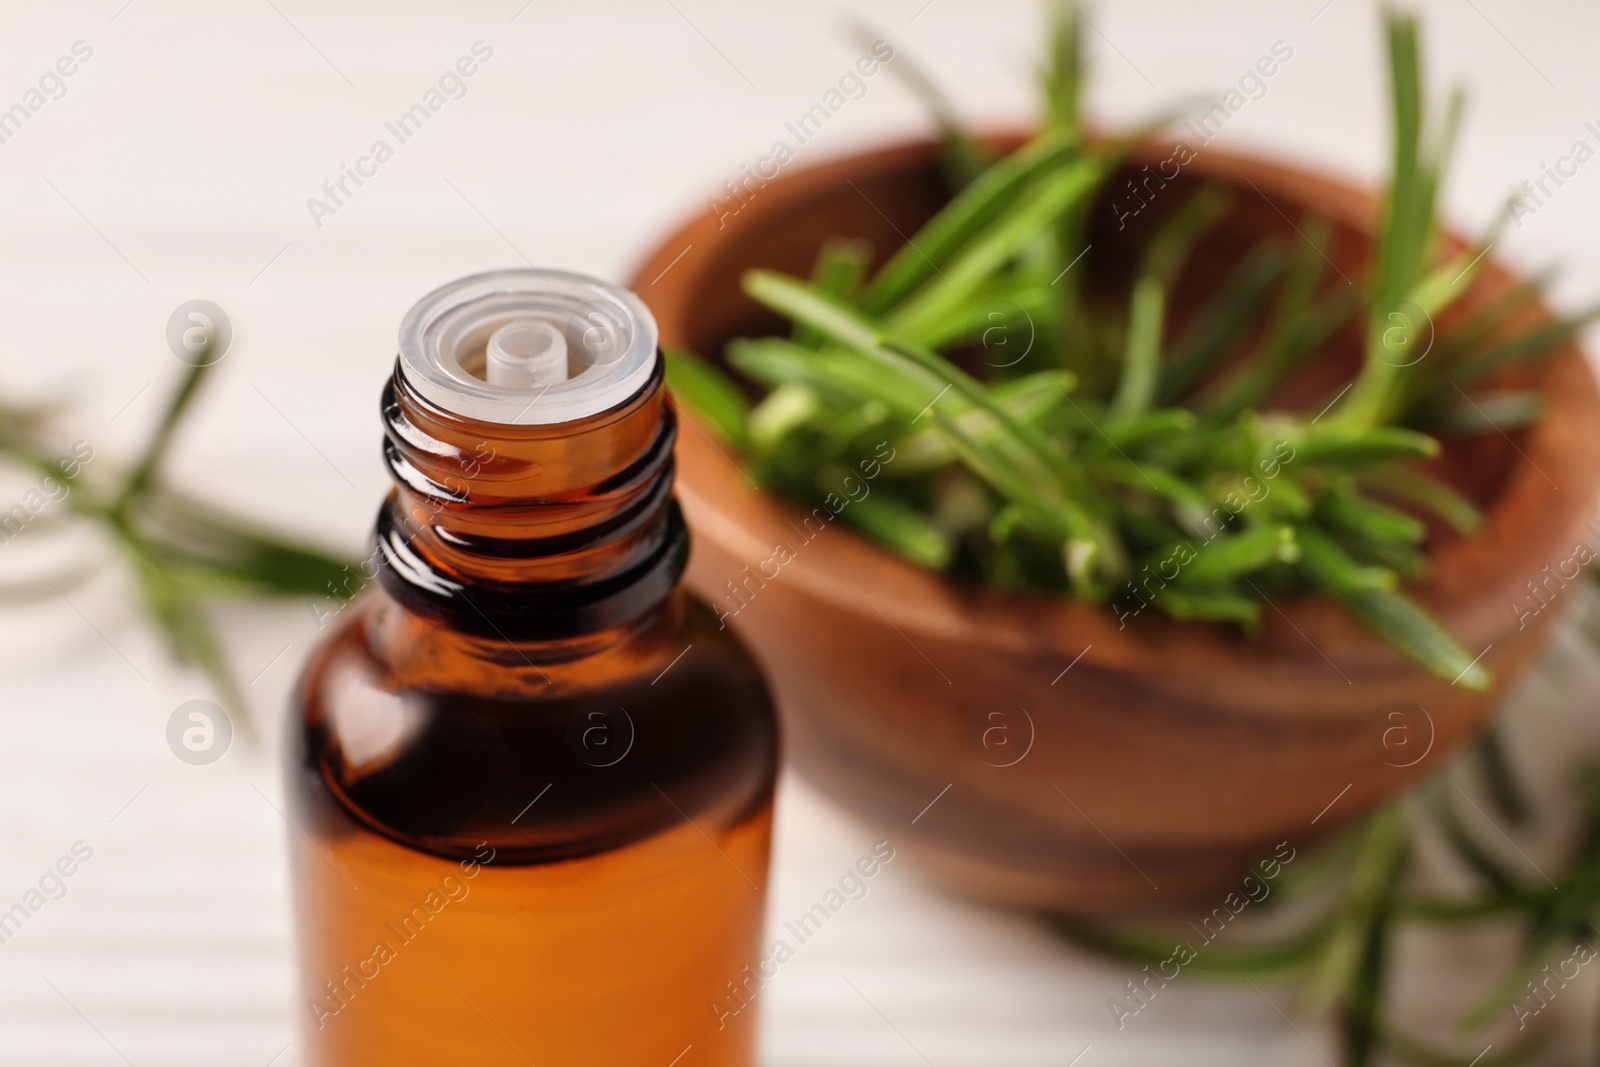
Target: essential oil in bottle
{"x":531,"y":777}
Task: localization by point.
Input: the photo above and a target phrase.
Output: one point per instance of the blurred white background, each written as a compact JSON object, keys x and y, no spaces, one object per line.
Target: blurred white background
{"x":177,"y":165}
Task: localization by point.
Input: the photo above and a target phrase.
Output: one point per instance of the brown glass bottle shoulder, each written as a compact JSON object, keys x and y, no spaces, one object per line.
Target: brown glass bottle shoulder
{"x":539,"y":779}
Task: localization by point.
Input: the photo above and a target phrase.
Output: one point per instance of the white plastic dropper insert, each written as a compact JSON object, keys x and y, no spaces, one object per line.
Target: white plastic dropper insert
{"x":526,"y":354}
{"x":528,"y":346}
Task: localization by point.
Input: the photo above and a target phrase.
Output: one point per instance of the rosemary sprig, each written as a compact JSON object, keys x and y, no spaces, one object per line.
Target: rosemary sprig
{"x":1360,"y":886}
{"x":184,"y":555}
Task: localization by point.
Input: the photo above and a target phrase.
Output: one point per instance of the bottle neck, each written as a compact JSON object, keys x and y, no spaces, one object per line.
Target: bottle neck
{"x":530,"y":533}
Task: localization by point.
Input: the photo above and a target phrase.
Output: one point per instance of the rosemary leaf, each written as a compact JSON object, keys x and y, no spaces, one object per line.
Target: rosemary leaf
{"x":710,"y":394}
{"x":974,"y":208}
{"x":1416,"y":633}
{"x":965,"y":271}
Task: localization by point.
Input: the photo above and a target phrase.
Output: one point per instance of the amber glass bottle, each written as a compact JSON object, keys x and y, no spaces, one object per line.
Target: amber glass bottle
{"x":531,"y":778}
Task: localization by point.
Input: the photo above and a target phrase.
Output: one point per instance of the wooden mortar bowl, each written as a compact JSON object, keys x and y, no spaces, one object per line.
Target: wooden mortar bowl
{"x":1169,"y":756}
